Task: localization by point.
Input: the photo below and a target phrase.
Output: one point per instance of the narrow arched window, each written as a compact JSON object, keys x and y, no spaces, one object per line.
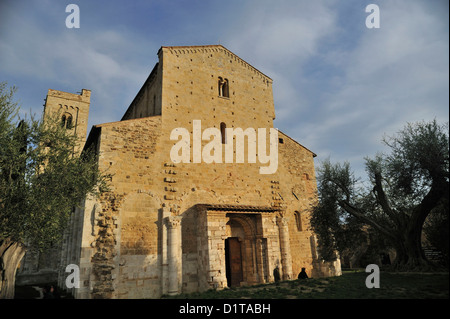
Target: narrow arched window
{"x":224,"y":90}
{"x":69,"y":124}
{"x":220,"y":86}
{"x":223,"y":130}
{"x":298,"y":221}
{"x":66,"y":121}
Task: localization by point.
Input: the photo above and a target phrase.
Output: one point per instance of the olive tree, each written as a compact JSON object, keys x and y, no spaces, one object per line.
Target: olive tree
{"x":41,"y":182}
{"x":404,"y":186}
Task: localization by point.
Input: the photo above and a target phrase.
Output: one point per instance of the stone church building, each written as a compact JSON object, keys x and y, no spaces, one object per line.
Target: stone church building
{"x":167,"y":226}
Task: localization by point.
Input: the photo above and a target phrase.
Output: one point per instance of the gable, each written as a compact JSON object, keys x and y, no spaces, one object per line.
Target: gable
{"x":212,"y":84}
{"x":222,"y":55}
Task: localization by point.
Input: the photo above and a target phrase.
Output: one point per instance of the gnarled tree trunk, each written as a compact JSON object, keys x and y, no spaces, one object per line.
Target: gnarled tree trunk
{"x":410,"y":256}
{"x":11,"y":253}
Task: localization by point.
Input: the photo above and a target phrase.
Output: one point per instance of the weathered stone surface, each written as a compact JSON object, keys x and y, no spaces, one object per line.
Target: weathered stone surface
{"x":149,"y":236}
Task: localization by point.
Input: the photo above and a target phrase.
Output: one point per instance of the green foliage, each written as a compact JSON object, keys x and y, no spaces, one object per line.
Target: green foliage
{"x":388,"y":210}
{"x":41,"y":179}
{"x":336,"y":229}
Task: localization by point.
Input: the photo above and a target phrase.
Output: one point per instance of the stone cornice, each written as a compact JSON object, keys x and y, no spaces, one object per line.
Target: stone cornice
{"x":237,"y":208}
{"x":84,"y":96}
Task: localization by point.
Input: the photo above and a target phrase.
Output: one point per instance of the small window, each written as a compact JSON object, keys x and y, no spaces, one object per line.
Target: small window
{"x":298,"y":221}
{"x":223,"y":130}
{"x":66,"y":121}
{"x":224,"y":90}
{"x":69,"y":122}
{"x":280,"y":140}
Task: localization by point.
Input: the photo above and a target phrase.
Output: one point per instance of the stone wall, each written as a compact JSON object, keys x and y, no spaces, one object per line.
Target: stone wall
{"x":298,"y":190}
{"x":76,"y":105}
{"x":161,"y":228}
{"x":128,"y":151}
{"x":148,"y":100}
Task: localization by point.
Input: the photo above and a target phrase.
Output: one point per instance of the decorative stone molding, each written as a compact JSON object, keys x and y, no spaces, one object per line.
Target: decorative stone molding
{"x":173,"y":222}
{"x":169,"y":165}
{"x":282,"y":221}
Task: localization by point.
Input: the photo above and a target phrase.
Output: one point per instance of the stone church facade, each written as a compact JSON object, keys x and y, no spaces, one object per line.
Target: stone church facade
{"x":167,"y":227}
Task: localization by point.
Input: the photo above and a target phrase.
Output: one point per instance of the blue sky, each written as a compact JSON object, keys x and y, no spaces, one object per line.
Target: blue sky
{"x":338,"y":86}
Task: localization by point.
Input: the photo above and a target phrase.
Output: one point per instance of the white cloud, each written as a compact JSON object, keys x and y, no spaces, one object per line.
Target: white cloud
{"x":277,"y":33}
{"x":106,"y":61}
{"x":396,"y":74}
{"x":338,"y":87}
{"x":373,"y":85}
{"x":278,"y":38}
{"x":395,"y":71}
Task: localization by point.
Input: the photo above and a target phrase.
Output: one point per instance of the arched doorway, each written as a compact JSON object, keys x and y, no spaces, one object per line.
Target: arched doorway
{"x":233,"y":261}
{"x":234,"y":235}
{"x":234,"y":251}
{"x":240,"y":249}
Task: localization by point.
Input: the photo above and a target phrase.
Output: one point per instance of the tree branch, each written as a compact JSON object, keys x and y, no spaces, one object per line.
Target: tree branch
{"x":384,"y":202}
{"x":438,"y":189}
{"x":355,"y":212}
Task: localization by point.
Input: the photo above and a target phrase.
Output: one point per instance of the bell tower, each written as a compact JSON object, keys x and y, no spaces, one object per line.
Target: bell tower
{"x":73,"y":112}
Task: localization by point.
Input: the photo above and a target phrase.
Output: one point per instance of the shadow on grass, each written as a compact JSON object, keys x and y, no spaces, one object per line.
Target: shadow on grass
{"x":351,"y":285}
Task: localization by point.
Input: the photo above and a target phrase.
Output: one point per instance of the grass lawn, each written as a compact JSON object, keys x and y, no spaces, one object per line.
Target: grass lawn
{"x":351,"y":285}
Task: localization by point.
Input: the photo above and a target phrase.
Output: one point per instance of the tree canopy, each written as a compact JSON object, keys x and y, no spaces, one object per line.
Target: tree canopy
{"x":42,"y":180}
{"x":404,"y":187}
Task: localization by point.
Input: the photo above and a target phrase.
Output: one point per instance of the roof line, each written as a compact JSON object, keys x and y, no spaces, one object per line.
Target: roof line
{"x":127,"y":120}
{"x":215,"y":46}
{"x":149,"y":79}
{"x":314,"y":154}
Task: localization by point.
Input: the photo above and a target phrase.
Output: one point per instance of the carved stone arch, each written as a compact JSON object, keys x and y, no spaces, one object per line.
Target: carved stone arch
{"x":196,"y":196}
{"x":247,"y":224}
{"x":234,"y":228}
{"x":241,"y":252}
